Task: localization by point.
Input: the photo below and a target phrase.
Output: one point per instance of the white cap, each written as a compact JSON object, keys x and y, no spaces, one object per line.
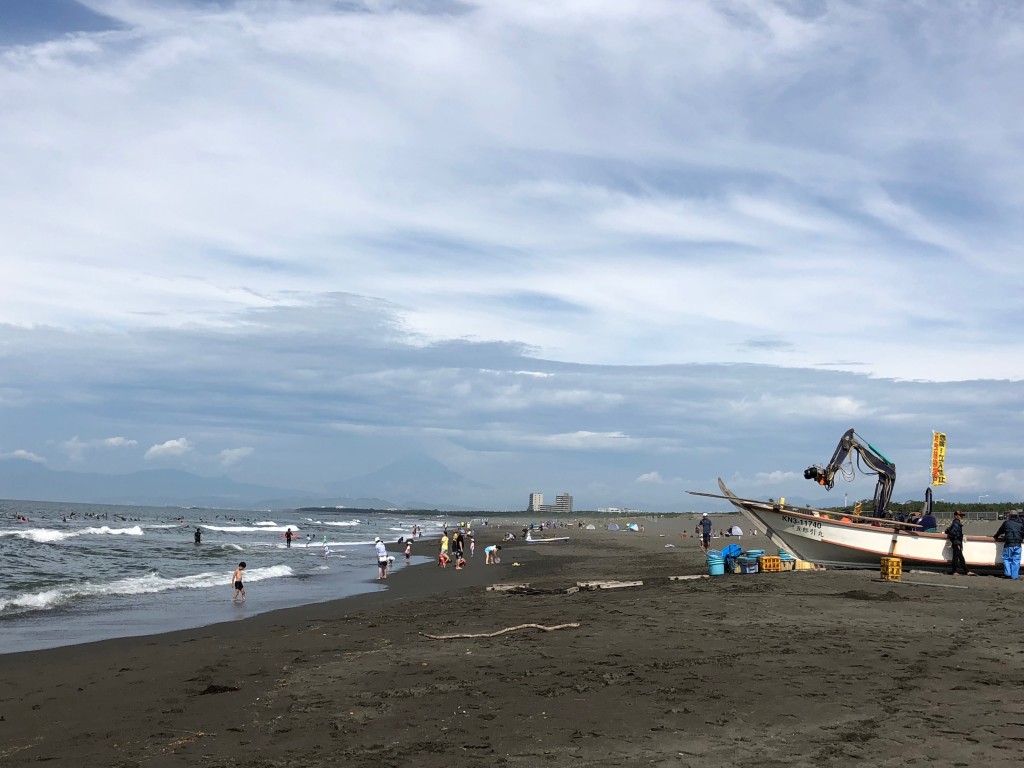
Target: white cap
{"x":376,"y":540}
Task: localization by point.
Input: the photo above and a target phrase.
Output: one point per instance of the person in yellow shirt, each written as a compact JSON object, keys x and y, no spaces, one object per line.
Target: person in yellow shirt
{"x":444,"y":542}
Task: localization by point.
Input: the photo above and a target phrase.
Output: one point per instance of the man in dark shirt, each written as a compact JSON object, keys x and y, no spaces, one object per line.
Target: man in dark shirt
{"x":928,"y":523}
{"x":705,"y":531}
{"x":955,"y":534}
{"x":1012,"y":533}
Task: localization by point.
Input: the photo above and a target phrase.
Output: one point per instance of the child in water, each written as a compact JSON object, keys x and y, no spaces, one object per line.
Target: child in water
{"x":236,"y":580}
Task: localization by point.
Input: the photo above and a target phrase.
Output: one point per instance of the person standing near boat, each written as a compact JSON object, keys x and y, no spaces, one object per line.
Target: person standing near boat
{"x":955,"y":534}
{"x":1012,"y":533}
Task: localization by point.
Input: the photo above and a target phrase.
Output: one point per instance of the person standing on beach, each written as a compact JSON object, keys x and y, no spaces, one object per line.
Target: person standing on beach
{"x":955,"y":534}
{"x":1012,"y":532}
{"x":444,"y":543}
{"x":704,"y":526}
{"x":408,"y":549}
{"x":236,"y":581}
{"x":472,"y":546}
{"x":382,"y":558}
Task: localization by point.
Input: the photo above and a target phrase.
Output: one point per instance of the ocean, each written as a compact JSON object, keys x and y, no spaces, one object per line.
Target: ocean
{"x":76,"y":573}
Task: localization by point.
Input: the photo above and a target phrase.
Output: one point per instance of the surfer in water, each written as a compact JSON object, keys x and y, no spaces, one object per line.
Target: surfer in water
{"x":198,"y":537}
{"x":288,"y":537}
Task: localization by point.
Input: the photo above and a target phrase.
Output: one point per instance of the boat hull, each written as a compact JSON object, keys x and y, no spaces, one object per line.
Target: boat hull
{"x":812,"y":537}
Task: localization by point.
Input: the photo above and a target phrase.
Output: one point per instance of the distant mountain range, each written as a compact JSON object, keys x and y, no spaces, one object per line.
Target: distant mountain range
{"x":413,"y":479}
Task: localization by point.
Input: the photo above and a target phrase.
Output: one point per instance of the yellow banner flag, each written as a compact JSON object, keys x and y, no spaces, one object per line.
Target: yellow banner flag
{"x":938,"y":458}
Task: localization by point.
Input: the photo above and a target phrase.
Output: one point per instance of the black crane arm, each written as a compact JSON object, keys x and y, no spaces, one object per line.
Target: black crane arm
{"x":867,"y":456}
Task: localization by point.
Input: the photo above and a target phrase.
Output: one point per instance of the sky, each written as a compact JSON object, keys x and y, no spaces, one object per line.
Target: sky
{"x":611,"y":249}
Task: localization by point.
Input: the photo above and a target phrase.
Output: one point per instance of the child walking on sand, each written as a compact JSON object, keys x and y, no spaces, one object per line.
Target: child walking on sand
{"x":236,"y":580}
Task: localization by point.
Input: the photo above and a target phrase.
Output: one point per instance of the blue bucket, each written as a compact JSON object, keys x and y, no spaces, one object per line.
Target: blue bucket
{"x":716,"y":567}
{"x":755,"y":552}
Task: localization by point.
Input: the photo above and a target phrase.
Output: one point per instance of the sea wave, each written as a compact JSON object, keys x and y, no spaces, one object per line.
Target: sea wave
{"x":342,"y":522}
{"x":137,"y":585}
{"x":51,"y":535}
{"x":268,"y":528}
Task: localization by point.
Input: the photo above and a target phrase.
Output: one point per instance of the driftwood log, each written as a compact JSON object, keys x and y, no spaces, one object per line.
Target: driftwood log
{"x":571,"y":625}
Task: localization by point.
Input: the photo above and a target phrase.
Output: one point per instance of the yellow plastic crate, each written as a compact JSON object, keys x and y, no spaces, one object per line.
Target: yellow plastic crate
{"x":891,"y":568}
{"x":769,"y":564}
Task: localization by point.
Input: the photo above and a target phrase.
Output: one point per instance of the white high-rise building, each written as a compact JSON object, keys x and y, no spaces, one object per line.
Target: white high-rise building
{"x":536,"y":502}
{"x":563,"y":504}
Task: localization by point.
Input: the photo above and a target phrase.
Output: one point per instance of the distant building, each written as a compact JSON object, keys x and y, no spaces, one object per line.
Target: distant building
{"x":536,"y":502}
{"x":563,"y":504}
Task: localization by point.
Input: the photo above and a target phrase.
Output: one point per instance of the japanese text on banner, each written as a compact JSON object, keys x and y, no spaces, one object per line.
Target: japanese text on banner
{"x":938,"y":458}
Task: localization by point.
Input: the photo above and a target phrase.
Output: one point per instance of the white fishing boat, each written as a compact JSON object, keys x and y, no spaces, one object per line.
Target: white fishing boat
{"x":819,"y":537}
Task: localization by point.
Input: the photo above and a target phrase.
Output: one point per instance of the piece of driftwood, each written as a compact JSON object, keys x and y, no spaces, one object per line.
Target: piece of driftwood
{"x":572,"y":625}
{"x":689,"y":578}
{"x":506,"y":587}
{"x":608,"y":584}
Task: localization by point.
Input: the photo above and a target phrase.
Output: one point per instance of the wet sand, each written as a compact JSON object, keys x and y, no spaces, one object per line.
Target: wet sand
{"x":790,"y":669}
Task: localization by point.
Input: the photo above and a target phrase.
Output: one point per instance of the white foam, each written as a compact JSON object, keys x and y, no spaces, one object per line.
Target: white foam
{"x":353,"y":543}
{"x":136,"y":585}
{"x":260,"y":528}
{"x":342,"y":522}
{"x":105,"y":530}
{"x":51,"y":535}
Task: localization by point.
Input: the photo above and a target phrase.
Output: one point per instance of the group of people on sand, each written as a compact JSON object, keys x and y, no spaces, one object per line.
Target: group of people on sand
{"x":453,"y":549}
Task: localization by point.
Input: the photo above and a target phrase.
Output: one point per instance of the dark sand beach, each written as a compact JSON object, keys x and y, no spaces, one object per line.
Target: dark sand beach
{"x":791,"y":669}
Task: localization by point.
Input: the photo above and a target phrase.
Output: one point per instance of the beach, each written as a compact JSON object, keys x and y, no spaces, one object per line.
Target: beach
{"x":804,"y":668}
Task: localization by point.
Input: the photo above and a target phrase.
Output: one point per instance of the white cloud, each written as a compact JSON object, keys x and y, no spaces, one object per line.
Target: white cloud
{"x":76,"y":448}
{"x":169,"y":449}
{"x":231,"y":456}
{"x":777,"y":478}
{"x":117,"y":442}
{"x":650,"y":477}
{"x":24,"y":455}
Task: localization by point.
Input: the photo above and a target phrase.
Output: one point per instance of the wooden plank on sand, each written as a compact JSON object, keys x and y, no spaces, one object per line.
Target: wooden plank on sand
{"x":608,"y":584}
{"x":507,"y":587}
{"x":689,"y":578}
